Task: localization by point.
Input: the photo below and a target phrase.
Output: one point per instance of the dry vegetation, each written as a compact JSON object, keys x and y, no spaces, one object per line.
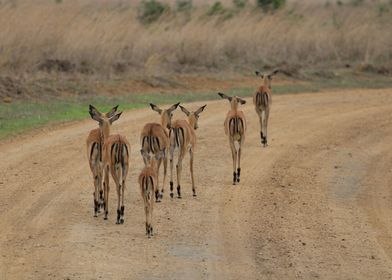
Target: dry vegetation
{"x":107,"y":37}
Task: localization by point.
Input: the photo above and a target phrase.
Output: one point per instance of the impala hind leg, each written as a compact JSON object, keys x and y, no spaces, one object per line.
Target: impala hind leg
{"x":164,"y":173}
{"x":191,"y":168}
{"x":106,"y":193}
{"x":157,"y":193}
{"x":171,"y":170}
{"x":234,"y":156}
{"x":179,"y":170}
{"x":239,"y":160}
{"x":266,"y":117}
{"x":96,"y":196}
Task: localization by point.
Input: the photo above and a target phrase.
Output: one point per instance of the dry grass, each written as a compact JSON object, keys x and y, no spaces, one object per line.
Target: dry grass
{"x":106,"y":37}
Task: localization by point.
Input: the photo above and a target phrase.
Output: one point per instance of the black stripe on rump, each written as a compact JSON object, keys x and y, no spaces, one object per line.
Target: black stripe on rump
{"x":92,"y":149}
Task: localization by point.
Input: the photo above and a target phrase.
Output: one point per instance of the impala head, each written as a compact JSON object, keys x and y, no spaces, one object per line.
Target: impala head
{"x":267,"y":77}
{"x":193,"y":117}
{"x":104,"y":120}
{"x":166,"y":114}
{"x":234,"y":100}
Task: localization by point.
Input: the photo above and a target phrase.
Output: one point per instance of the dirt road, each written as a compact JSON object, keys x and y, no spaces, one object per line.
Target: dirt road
{"x":317,"y":203}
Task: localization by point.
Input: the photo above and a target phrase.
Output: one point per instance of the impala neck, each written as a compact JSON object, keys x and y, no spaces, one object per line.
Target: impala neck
{"x":165,"y":120}
{"x":234,"y":104}
{"x":192,"y":122}
{"x":104,"y":131}
{"x":267,"y":82}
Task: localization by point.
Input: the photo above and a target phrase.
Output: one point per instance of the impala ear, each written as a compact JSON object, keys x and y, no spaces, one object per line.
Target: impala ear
{"x":156,"y":108}
{"x":273,"y":73}
{"x":111,"y":112}
{"x":185,"y":111}
{"x":224,"y":96}
{"x":201,"y":109}
{"x":94,"y":113}
{"x":173,"y":107}
{"x":257,"y":73}
{"x":115,"y":117}
{"x":242,"y":101}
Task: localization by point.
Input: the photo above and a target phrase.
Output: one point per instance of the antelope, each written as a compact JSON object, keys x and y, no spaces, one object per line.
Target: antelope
{"x":182,"y":136}
{"x":154,"y":139}
{"x":94,"y":143}
{"x":262,"y":101}
{"x":115,"y":155}
{"x":235,"y":127}
{"x":148,"y":181}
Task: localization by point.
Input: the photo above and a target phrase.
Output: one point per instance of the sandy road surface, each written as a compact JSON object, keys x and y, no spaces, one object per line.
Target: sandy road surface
{"x":317,"y":203}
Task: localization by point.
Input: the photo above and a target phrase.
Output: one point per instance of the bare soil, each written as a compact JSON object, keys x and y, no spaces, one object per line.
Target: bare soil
{"x":315,"y":204}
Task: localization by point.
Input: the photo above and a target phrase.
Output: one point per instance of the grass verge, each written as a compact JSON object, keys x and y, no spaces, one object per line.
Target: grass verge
{"x":22,"y":116}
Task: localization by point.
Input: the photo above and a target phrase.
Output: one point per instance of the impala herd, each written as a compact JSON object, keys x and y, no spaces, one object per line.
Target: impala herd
{"x":110,"y":153}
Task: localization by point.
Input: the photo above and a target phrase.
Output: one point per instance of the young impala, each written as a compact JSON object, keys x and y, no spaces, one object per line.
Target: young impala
{"x":115,"y":155}
{"x":148,"y":184}
{"x":95,"y":141}
{"x":235,"y":127}
{"x":182,"y":136}
{"x":262,"y":101}
{"x":155,"y":140}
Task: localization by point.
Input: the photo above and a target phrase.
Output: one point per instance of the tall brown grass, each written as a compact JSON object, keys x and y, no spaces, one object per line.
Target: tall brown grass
{"x":106,"y":36}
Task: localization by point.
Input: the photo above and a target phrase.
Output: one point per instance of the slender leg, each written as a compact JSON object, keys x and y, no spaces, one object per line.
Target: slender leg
{"x":266,"y":125}
{"x":106,"y":192}
{"x":171,"y":170}
{"x":96,"y":196}
{"x":234,"y":156}
{"x":101,"y":199}
{"x":151,"y":209}
{"x":164,"y":172}
{"x":191,"y":167}
{"x":261,"y":126}
{"x":179,"y":169}
{"x":157,"y":194}
{"x":147,"y":217}
{"x":118,"y":189}
{"x":239,"y":160}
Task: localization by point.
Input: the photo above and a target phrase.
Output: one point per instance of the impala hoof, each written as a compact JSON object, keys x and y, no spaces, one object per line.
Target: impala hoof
{"x":171,"y":195}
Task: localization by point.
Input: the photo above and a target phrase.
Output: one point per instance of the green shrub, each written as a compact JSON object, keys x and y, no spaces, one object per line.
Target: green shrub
{"x":151,"y":10}
{"x":268,"y":5}
{"x":184,"y":5}
{"x":356,"y":2}
{"x":216,"y":9}
{"x":239,"y":4}
{"x":382,"y":9}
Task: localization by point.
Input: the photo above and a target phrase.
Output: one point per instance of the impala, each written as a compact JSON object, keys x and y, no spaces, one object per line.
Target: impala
{"x":235,"y":127}
{"x":95,"y":141}
{"x":183,"y":137}
{"x":115,"y":157}
{"x":148,"y":179}
{"x":155,"y":140}
{"x":262,"y":101}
